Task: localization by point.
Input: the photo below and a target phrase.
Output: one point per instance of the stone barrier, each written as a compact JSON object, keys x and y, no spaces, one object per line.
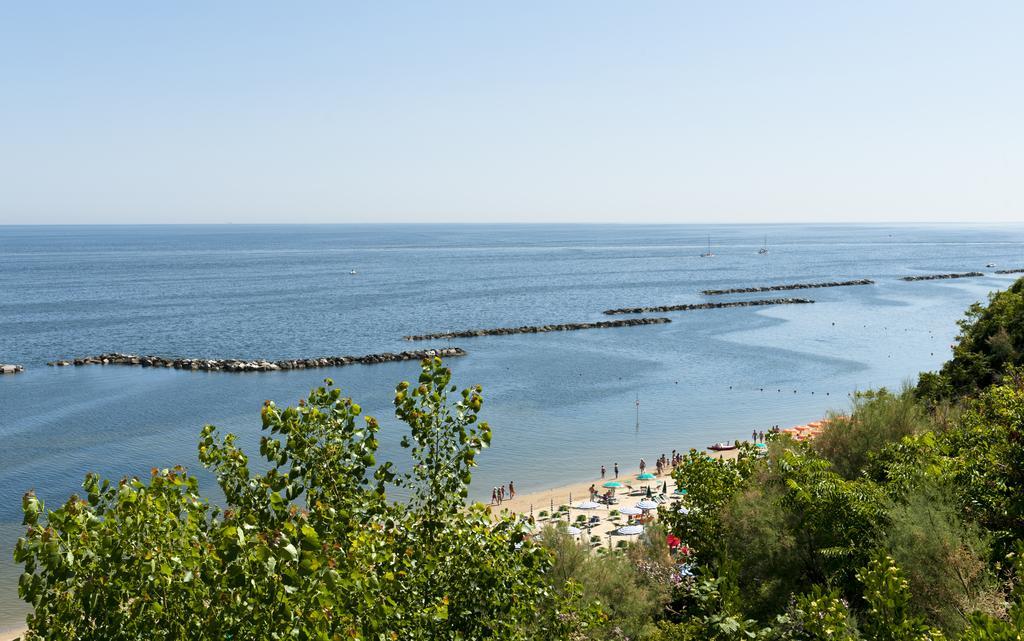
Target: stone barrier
{"x":257,"y":365}
{"x":538,"y":329}
{"x":779,"y":288}
{"x":696,"y":306}
{"x":942,"y":276}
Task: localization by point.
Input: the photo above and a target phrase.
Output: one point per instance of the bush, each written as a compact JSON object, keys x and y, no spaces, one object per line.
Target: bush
{"x":877,"y":419}
{"x":991,"y":340}
{"x":943,"y":558}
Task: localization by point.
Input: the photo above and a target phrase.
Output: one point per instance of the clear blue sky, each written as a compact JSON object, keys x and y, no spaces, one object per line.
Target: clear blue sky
{"x":585,"y":111}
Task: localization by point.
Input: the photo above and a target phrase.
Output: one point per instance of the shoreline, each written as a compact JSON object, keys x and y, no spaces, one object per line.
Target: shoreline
{"x":602,"y":532}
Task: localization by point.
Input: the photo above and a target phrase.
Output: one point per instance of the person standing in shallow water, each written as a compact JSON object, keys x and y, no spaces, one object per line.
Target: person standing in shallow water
{"x":602,"y":472}
{"x":511,"y":490}
{"x":616,"y":470}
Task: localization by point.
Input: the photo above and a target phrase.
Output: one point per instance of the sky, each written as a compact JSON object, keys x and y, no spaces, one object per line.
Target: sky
{"x":572,"y":111}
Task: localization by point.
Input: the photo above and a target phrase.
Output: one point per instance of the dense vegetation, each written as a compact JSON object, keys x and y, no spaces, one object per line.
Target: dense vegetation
{"x":991,"y":340}
{"x":904,"y":520}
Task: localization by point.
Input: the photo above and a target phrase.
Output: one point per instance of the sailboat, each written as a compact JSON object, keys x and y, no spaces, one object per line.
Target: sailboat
{"x":764,"y":247}
{"x":708,"y":253}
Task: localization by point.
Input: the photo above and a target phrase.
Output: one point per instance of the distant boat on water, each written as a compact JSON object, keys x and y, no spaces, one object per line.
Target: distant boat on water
{"x":764,"y":247}
{"x":708,"y":253}
{"x":353,"y":272}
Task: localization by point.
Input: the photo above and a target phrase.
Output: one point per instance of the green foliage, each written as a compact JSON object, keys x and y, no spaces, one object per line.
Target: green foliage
{"x":759,"y":538}
{"x":943,"y":558}
{"x":991,"y":339}
{"x":310,"y":549}
{"x":837,"y":521}
{"x":817,"y":616}
{"x":877,"y":419}
{"x":710,"y":484}
{"x":629,"y":588}
{"x":987,"y":462}
{"x":888,"y":616}
{"x":983,"y":626}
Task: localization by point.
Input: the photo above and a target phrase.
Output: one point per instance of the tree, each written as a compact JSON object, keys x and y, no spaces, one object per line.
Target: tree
{"x":878,"y":418}
{"x":313,"y":548}
{"x":991,"y":339}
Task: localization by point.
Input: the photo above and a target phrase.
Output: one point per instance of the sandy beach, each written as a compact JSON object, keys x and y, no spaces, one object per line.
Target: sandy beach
{"x":572,"y":493}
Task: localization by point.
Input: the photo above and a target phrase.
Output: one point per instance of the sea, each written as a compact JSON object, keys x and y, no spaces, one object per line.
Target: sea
{"x":561,"y":404}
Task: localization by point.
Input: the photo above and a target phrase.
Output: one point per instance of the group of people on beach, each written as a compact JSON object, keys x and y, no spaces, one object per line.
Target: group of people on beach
{"x":661,"y":466}
{"x":758,"y":437}
{"x":498,"y":493}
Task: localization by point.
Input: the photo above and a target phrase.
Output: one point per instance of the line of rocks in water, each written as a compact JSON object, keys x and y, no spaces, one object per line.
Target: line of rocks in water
{"x":1010,"y":271}
{"x":539,"y":329}
{"x":942,"y":276}
{"x":258,"y":365}
{"x":10,"y":369}
{"x":779,"y":288}
{"x":696,"y":306}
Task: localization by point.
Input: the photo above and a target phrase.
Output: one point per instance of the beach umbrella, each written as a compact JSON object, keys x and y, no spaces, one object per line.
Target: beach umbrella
{"x":680,"y":491}
{"x":572,"y":531}
{"x":646,"y":505}
{"x":631,"y":511}
{"x":630,"y":530}
{"x":587,"y":505}
{"x":646,"y":476}
{"x":612,"y":484}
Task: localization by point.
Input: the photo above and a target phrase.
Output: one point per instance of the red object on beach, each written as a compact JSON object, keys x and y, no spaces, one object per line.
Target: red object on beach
{"x":673,"y":541}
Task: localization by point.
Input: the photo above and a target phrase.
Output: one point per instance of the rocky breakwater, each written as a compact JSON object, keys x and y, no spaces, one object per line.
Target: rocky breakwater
{"x":780,"y":288}
{"x":538,"y":329}
{"x":11,"y":369}
{"x":259,"y":365}
{"x":942,"y":276}
{"x":1010,"y":271}
{"x":696,"y":306}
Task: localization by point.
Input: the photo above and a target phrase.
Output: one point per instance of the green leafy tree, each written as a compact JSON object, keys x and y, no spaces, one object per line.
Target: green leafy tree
{"x":817,"y":616}
{"x":944,"y":559}
{"x":312,"y":548}
{"x":878,"y":417}
{"x":991,"y":339}
{"x":888,"y":616}
{"x":837,"y":521}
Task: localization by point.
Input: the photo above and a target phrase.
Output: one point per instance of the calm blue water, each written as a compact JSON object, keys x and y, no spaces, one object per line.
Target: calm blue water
{"x":561,"y":404}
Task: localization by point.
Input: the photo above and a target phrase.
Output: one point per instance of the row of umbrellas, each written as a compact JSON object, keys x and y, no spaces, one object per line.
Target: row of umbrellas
{"x":641,"y":506}
{"x":627,"y":530}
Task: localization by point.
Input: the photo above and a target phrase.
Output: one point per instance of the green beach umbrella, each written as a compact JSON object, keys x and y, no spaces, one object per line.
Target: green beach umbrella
{"x":646,"y":476}
{"x":612,"y":484}
{"x":681,"y":491}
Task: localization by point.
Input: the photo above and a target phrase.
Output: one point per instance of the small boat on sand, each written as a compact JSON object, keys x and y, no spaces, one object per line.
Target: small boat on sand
{"x":722,"y":447}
